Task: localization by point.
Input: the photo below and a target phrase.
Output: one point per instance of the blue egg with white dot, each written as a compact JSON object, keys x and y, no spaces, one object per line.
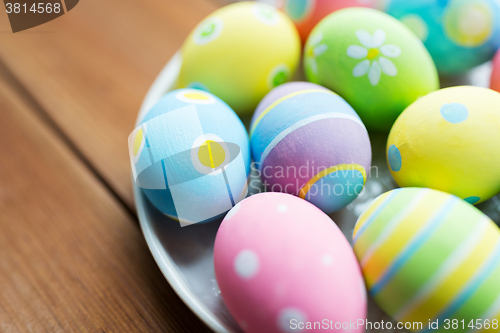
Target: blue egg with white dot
{"x":190,"y":155}
{"x":459,"y":34}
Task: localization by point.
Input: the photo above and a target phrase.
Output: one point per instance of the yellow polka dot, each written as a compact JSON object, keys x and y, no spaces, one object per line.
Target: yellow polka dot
{"x":196,"y":96}
{"x":137,"y":142}
{"x":211,"y":154}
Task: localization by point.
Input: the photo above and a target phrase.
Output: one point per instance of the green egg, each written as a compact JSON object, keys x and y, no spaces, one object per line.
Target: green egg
{"x":373,"y":61}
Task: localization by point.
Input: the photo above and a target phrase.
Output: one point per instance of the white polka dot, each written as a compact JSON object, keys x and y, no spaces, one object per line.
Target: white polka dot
{"x":286,"y":315}
{"x":327,"y":260}
{"x":282,"y":208}
{"x":266,"y":14}
{"x":278,"y":75}
{"x":208,"y":30}
{"x":232,"y":212}
{"x":246,"y":264}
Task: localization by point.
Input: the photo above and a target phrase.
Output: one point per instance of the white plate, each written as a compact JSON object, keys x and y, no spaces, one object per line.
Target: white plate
{"x":185,"y":255}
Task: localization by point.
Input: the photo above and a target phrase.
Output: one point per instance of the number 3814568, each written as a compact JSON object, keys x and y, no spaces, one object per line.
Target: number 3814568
{"x":36,"y":8}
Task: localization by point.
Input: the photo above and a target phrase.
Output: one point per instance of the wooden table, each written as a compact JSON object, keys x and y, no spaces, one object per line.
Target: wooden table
{"x":72,"y":257}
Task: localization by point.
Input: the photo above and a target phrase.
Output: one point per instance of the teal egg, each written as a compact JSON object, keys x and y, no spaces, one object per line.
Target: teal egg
{"x":459,"y":34}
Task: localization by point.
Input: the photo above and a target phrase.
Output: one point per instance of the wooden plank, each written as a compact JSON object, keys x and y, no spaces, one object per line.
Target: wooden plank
{"x":71,"y":258}
{"x":91,"y":68}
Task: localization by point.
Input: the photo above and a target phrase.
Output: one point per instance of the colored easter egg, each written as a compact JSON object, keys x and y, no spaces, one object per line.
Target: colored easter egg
{"x":429,"y":257}
{"x":307,"y":141}
{"x":191,"y":156}
{"x":459,"y":34}
{"x":282,"y":264}
{"x":373,"y":61}
{"x":450,"y":141}
{"x":239,"y":53}
{"x":278,"y":93}
{"x":495,"y":75}
{"x":307,"y":13}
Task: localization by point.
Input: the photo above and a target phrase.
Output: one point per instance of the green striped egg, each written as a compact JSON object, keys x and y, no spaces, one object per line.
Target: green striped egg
{"x":428,"y":255}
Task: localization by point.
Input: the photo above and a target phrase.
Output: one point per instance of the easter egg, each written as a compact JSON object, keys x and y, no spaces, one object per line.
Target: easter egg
{"x":307,"y":13}
{"x":459,"y":34}
{"x":373,"y":61}
{"x":495,"y":75}
{"x":429,"y":257}
{"x":278,"y":93}
{"x":307,"y":141}
{"x":191,"y":156}
{"x":450,"y":141}
{"x":239,"y":53}
{"x":282,"y":264}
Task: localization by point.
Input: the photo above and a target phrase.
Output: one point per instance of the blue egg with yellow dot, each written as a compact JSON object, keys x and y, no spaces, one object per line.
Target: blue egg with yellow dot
{"x":459,"y":34}
{"x":190,"y":155}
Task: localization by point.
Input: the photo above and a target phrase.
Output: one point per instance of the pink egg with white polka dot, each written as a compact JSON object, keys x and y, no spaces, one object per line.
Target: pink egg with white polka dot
{"x":283,"y":265}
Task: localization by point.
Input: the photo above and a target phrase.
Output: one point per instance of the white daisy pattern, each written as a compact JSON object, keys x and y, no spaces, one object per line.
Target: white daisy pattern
{"x":375,"y":55}
{"x":314,"y":50}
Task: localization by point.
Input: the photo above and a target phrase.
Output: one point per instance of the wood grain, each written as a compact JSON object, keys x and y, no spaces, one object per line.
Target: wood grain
{"x":71,"y":258}
{"x":91,"y":68}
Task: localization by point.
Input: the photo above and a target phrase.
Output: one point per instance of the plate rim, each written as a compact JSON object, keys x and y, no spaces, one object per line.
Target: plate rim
{"x":165,"y":81}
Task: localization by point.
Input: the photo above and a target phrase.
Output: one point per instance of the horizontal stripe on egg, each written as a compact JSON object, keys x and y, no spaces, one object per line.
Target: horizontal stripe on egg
{"x":278,"y":101}
{"x":414,"y":244}
{"x":316,"y":106}
{"x":309,"y":151}
{"x":337,"y":168}
{"x":427,"y":255}
{"x":457,"y":259}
